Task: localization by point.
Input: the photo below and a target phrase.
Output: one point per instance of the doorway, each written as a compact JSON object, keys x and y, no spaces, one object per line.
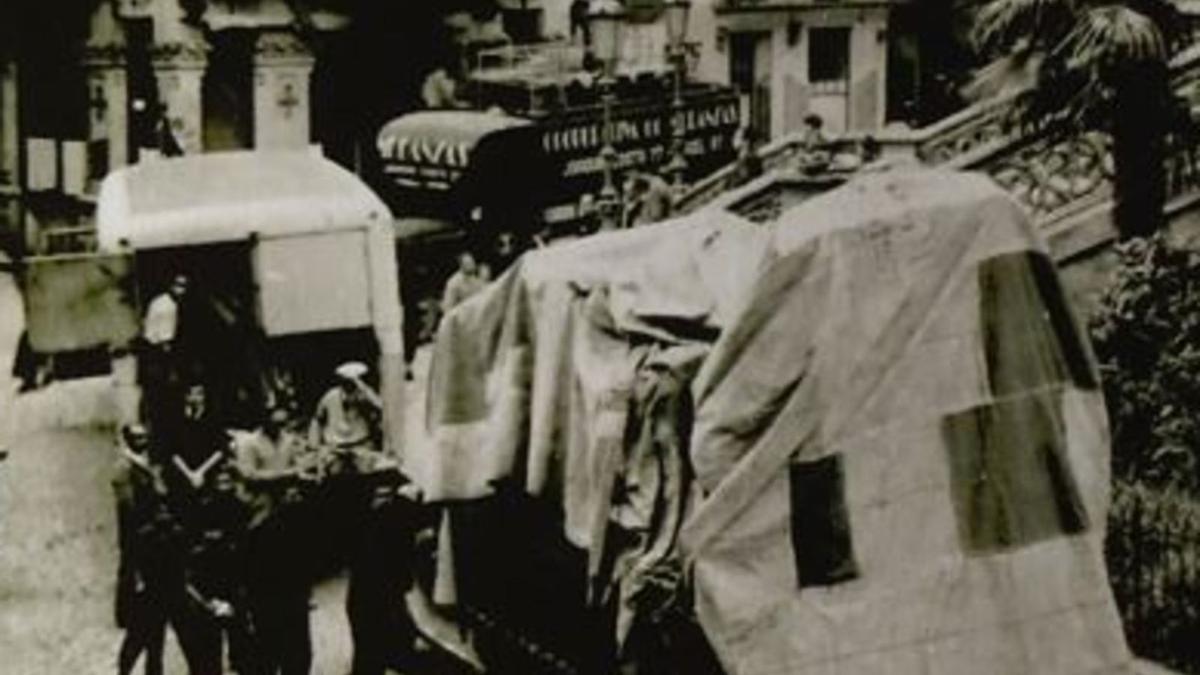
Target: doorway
{"x":829,"y":75}
{"x":750,"y":74}
{"x":228,"y":94}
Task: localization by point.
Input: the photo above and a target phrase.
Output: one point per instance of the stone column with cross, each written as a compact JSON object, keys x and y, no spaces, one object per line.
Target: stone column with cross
{"x":104,"y":62}
{"x":179,"y":66}
{"x":108,"y":118}
{"x":282,"y":67}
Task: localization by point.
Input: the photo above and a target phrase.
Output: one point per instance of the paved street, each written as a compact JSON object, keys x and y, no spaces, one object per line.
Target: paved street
{"x":57,"y":532}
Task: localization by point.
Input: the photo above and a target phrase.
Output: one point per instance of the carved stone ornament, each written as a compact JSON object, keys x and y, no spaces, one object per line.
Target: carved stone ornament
{"x":109,"y":55}
{"x":282,"y":47}
{"x":1063,"y":174}
{"x":192,"y":53}
{"x":135,"y":9}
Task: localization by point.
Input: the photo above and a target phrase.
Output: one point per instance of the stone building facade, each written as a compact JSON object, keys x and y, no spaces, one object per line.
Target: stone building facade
{"x":788,"y":58}
{"x":93,"y":86}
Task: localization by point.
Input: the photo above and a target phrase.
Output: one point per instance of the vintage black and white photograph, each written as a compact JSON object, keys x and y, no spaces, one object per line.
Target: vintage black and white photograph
{"x":600,"y":337}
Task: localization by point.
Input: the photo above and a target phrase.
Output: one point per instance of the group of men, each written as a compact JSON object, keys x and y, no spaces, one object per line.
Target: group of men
{"x":223,"y":531}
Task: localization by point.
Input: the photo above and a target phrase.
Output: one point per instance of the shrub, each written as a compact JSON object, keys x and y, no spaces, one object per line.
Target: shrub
{"x":1147,"y":338}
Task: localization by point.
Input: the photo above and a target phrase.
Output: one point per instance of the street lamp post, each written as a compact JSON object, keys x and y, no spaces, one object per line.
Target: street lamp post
{"x":606,"y":19}
{"x":676,"y":16}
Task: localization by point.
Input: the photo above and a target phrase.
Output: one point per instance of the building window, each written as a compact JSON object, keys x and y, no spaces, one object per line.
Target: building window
{"x":829,"y":59}
{"x":750,"y":74}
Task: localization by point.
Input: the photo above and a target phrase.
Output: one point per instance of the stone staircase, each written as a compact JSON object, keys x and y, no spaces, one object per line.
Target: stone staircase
{"x":1065,"y":183}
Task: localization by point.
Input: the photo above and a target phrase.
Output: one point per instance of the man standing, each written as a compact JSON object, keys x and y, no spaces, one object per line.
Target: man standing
{"x":380,"y":522}
{"x":217,"y":614}
{"x":579,"y":21}
{"x":160,"y":365}
{"x":142,"y":597}
{"x":161,"y":325}
{"x":197,"y":442}
{"x":270,"y":461}
{"x":203,"y":503}
{"x":464,"y":283}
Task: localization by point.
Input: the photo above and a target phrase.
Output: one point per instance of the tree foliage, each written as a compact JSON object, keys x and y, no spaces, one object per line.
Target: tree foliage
{"x":1101,"y":65}
{"x":1147,"y":337}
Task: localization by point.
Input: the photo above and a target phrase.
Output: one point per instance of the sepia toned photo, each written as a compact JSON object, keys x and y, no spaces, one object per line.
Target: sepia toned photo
{"x":599,"y":337}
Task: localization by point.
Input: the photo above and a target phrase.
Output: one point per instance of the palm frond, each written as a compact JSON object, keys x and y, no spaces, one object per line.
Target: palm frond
{"x":1002,"y":24}
{"x":1111,"y":36}
{"x":1176,"y":28}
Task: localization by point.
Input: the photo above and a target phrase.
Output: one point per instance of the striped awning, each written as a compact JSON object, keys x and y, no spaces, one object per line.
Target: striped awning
{"x":433,"y":149}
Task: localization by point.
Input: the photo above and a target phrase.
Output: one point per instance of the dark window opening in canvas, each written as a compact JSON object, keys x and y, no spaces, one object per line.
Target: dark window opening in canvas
{"x":1011,"y":482}
{"x":821,"y":539}
{"x":1030,"y":337}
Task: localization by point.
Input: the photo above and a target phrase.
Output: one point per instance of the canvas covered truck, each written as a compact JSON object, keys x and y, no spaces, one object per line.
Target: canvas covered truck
{"x":291,"y":267}
{"x":867,"y":437}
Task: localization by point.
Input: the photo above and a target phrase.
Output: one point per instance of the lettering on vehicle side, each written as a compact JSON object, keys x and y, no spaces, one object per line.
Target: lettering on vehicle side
{"x":433,"y":151}
{"x":640,"y":127}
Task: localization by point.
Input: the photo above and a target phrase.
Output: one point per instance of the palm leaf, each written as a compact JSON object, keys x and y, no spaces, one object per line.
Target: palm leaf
{"x":1037,"y":24}
{"x":1005,"y":76}
{"x":1111,"y":36}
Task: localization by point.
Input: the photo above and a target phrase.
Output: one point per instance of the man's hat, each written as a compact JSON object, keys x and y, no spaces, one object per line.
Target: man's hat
{"x":135,"y":431}
{"x":351,"y":370}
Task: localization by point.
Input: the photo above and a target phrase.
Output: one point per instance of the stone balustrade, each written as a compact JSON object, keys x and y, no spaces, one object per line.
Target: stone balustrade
{"x":1053,"y":176}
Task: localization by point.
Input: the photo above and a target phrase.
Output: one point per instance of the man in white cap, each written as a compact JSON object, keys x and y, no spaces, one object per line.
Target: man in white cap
{"x":378,"y":546}
{"x":347,"y":417}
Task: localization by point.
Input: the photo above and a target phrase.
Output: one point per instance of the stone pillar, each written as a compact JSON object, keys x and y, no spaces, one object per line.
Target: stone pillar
{"x":179,"y":65}
{"x":868,"y":67}
{"x":10,"y":141}
{"x":108,"y":93}
{"x":282,"y":67}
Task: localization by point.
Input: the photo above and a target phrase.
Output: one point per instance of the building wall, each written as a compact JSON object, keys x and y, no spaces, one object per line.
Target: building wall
{"x":857,"y":105}
{"x":556,"y":18}
{"x":712,"y":63}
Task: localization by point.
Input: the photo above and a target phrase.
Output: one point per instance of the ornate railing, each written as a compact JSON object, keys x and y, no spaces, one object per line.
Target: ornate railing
{"x":1054,"y":176}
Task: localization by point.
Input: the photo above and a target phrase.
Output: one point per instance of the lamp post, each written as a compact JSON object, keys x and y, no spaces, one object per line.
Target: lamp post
{"x":606,"y":18}
{"x":675,"y":13}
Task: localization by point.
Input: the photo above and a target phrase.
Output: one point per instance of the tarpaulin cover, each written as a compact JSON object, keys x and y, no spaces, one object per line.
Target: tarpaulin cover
{"x":899,"y":442}
{"x":531,"y":375}
{"x":903,"y":448}
{"x":230,"y":196}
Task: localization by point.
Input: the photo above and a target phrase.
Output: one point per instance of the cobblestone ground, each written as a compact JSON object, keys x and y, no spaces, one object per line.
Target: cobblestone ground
{"x":58,"y":562}
{"x":57,"y":533}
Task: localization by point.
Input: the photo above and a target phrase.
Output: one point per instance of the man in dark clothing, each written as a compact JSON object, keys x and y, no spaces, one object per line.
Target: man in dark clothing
{"x":380,"y":575}
{"x":274,"y":467}
{"x":207,"y":600}
{"x":160,"y":360}
{"x":197,"y":444}
{"x":579,"y":20}
{"x":144,"y":531}
{"x":217,"y":612}
{"x":279,"y":583}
